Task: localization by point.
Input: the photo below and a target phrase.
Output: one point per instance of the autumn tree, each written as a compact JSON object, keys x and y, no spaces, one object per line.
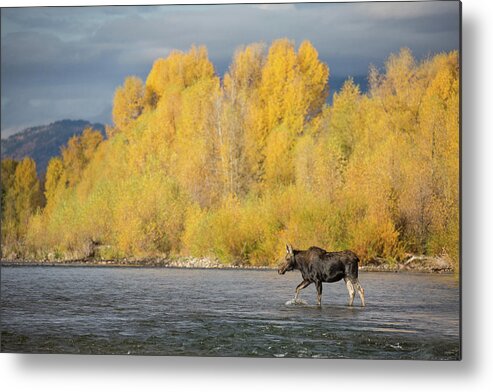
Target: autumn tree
{"x":7,"y":177}
{"x":232,"y":167}
{"x":325,"y":150}
{"x":54,"y":175}
{"x":179,"y":70}
{"x":21,"y":199}
{"x":293,"y":87}
{"x":197,"y":147}
{"x":26,"y":190}
{"x":439,"y":136}
{"x":77,"y":154}
{"x":315,"y":76}
{"x":238,"y":108}
{"x":128,"y":103}
{"x":8,"y":200}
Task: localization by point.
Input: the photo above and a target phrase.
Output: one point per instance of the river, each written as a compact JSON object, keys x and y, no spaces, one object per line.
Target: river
{"x":199,"y":312}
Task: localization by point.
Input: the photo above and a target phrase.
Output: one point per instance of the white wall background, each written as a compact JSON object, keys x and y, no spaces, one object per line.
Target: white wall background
{"x":473,"y":373}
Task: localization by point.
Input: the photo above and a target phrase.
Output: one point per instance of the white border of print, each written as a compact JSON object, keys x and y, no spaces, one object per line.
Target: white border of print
{"x":93,"y":373}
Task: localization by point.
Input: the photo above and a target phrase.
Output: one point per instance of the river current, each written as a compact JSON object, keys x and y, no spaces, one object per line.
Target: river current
{"x":198,"y":312}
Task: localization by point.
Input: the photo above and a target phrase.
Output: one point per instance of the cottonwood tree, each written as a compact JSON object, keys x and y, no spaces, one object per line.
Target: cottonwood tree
{"x":128,"y":103}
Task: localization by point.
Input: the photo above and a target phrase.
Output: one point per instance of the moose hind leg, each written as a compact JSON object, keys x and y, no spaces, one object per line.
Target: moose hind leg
{"x":350,"y":289}
{"x":361,"y":292}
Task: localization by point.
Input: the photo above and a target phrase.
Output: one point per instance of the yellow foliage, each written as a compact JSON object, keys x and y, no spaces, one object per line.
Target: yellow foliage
{"x":197,"y":143}
{"x":315,"y":76}
{"x":149,"y":216}
{"x":278,"y":157}
{"x":292,"y":90}
{"x":77,"y":154}
{"x":282,"y":91}
{"x":21,"y":199}
{"x":180,"y":70}
{"x":244,"y":75}
{"x":233,"y":169}
{"x":128,"y":103}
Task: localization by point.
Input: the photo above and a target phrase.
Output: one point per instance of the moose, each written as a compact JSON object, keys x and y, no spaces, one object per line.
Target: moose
{"x":317,"y":265}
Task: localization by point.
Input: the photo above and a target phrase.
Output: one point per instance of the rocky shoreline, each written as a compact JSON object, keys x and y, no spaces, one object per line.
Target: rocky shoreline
{"x":411,"y":264}
{"x":182,"y":262}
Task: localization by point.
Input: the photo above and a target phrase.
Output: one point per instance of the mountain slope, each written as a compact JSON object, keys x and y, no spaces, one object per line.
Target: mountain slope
{"x":44,"y":142}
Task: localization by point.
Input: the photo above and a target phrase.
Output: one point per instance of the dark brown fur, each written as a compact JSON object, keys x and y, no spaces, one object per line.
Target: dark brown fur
{"x":317,"y":265}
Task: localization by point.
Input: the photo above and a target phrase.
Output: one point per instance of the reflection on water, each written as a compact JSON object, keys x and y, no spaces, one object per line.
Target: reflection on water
{"x":149,"y":311}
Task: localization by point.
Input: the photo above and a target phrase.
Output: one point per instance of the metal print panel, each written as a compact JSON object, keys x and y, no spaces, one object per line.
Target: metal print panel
{"x":242,"y":180}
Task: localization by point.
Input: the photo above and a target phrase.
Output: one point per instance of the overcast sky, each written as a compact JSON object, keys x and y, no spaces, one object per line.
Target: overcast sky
{"x":65,"y":62}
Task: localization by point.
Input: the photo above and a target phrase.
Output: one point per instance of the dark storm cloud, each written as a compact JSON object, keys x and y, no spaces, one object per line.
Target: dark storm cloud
{"x":66,"y":62}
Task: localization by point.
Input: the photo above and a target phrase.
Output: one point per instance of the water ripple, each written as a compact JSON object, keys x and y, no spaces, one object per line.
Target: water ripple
{"x":143,"y":311}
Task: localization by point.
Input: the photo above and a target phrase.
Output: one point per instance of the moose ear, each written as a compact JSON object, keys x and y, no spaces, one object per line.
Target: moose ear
{"x":289,"y":249}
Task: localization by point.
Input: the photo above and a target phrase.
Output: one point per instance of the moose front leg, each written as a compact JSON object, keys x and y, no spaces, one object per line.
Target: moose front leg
{"x":319,"y":293}
{"x":300,"y":287}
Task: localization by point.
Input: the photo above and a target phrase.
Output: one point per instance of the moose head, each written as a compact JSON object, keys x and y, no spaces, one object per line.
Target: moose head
{"x":289,"y":261}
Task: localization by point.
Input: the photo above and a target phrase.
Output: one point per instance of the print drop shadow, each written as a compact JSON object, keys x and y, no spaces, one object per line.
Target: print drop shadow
{"x":30,"y":364}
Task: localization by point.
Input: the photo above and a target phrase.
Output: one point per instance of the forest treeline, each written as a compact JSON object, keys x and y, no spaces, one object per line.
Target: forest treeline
{"x":235,"y":167}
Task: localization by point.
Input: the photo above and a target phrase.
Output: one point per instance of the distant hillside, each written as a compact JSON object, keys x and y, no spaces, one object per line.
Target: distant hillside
{"x":44,"y":142}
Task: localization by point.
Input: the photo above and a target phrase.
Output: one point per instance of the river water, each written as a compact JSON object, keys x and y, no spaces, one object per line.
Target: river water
{"x":197,"y":312}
